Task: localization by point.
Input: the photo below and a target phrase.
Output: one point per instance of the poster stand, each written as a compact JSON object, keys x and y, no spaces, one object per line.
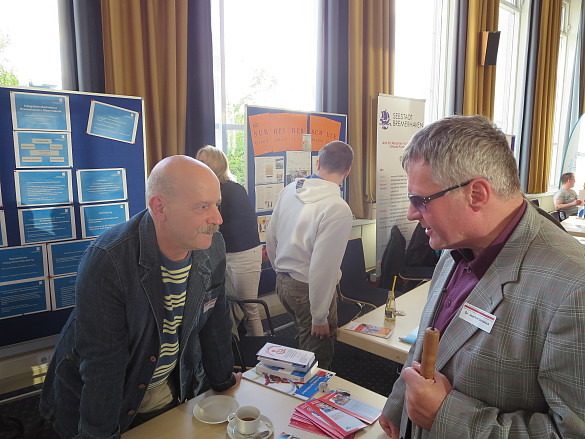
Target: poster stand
{"x":48,"y":138}
{"x":283,"y":145}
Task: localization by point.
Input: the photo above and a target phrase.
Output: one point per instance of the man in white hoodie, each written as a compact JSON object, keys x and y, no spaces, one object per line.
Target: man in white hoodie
{"x":305,"y":241}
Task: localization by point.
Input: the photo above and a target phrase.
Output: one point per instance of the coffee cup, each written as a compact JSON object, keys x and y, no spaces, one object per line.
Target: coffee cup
{"x":246,"y":419}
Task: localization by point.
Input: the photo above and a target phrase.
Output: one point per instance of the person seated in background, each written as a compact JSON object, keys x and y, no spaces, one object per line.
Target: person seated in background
{"x":566,"y":198}
{"x":507,"y":298}
{"x":240,"y":233}
{"x":151,"y":325}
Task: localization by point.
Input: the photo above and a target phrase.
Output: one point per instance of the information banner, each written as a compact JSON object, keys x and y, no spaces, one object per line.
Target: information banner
{"x":22,"y":263}
{"x":64,"y":257}
{"x":46,"y":224}
{"x":41,"y":187}
{"x":101,"y":185}
{"x":38,"y":111}
{"x":19,"y":298}
{"x":398,"y":120}
{"x":63,"y":291}
{"x":112,"y":122}
{"x":100,"y":217}
{"x":42,"y":149}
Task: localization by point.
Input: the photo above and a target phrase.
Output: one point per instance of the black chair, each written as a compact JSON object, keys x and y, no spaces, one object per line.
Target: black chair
{"x":353,"y":285}
{"x":347,"y":310}
{"x":419,"y":260}
{"x":246,"y":346}
{"x":393,"y":260}
{"x":558,"y":215}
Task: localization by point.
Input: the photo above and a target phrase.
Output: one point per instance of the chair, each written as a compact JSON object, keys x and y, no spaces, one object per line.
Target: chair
{"x":347,"y":310}
{"x":245,"y":346}
{"x":419,"y":260}
{"x":558,"y":215}
{"x":393,"y":260}
{"x":353,"y":284}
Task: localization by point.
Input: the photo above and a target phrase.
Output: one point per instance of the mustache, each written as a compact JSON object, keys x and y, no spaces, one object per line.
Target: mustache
{"x":211,"y":228}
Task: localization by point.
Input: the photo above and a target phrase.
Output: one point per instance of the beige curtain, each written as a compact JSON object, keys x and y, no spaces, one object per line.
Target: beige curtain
{"x":371,"y":70}
{"x":480,"y":81}
{"x":145,"y":52}
{"x":544,"y":96}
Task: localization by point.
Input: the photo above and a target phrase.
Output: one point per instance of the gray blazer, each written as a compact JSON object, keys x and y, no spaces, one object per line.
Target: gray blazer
{"x":525,"y":379}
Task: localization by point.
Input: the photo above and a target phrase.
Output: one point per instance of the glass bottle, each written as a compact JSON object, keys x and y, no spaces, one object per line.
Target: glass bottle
{"x":390,"y":310}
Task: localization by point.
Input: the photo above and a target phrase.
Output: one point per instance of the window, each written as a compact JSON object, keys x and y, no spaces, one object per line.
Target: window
{"x":271,"y":62}
{"x":29,"y":43}
{"x":507,"y":67}
{"x":569,"y":26}
{"x":420,"y":53}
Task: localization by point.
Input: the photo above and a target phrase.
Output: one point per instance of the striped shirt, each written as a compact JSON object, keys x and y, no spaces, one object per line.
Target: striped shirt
{"x":174,"y":277}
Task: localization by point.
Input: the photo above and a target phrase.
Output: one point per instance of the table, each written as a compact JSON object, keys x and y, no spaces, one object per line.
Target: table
{"x":575,"y":226}
{"x":179,"y":422}
{"x":412,"y":303}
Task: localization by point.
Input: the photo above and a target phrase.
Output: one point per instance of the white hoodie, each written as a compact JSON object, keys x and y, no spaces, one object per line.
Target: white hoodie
{"x":306,"y":238}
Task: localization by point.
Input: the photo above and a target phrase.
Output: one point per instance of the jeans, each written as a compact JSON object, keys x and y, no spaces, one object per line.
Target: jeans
{"x":243,"y":272}
{"x":294,"y":296}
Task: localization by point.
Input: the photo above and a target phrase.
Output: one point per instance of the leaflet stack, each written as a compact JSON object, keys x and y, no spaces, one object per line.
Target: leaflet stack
{"x":335,"y":415}
{"x":286,"y":362}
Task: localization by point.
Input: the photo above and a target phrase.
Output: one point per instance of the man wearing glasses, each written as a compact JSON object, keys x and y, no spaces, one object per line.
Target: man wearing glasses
{"x":507,"y":297}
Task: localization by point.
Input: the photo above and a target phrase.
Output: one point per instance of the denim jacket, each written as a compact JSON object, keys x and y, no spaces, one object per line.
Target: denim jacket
{"x":109,"y":347}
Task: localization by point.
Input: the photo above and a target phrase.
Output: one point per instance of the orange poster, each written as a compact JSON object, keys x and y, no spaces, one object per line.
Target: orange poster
{"x":288,"y":131}
{"x":323,"y":130}
{"x":275,"y":132}
{"x":261,"y":133}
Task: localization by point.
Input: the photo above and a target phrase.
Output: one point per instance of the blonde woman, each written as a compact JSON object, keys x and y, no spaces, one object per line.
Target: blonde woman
{"x":240,"y":232}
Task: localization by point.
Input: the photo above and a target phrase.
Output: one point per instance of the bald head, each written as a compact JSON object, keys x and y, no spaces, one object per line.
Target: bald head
{"x":173,"y":173}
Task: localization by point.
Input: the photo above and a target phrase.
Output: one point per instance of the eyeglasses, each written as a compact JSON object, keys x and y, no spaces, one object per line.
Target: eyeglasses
{"x":420,"y":203}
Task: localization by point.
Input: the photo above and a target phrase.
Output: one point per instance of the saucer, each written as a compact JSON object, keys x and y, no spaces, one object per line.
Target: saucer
{"x":215,"y":409}
{"x":265,"y":425}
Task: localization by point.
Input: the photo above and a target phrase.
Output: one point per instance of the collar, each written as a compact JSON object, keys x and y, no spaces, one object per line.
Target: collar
{"x":482,"y":262}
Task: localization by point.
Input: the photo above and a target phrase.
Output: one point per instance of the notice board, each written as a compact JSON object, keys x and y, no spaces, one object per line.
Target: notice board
{"x":283,"y":145}
{"x":72,"y":165}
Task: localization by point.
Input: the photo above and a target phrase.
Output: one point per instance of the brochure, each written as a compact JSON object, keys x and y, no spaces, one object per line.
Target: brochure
{"x":352,"y":406}
{"x":294,"y":358}
{"x":284,"y":435}
{"x":272,"y":381}
{"x":298,"y":389}
{"x":336,"y":422}
{"x":364,"y":328}
{"x":410,"y":338}
{"x":283,"y":372}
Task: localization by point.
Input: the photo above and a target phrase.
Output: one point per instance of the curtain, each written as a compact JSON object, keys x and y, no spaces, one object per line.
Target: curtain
{"x":371,"y":70}
{"x":145,"y":51}
{"x":480,"y":81}
{"x":200,"y":116}
{"x":539,"y":95}
{"x":332,"y":68}
{"x":82,"y":52}
{"x":458,"y":63}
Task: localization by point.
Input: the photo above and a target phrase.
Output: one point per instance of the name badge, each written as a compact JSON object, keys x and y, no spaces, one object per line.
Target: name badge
{"x":478,"y":317}
{"x":209,"y":305}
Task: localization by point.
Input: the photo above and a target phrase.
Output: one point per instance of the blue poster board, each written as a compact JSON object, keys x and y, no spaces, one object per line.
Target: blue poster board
{"x":31,"y":141}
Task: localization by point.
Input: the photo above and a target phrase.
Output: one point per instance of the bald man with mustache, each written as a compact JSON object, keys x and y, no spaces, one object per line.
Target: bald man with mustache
{"x":151,"y":327}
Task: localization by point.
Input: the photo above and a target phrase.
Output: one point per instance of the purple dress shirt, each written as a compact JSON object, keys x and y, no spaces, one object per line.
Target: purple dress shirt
{"x":468,"y":272}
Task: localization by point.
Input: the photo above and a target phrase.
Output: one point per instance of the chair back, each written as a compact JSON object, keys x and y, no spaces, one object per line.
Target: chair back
{"x":353,"y":283}
{"x":353,"y":265}
{"x":244,"y":347}
{"x":556,"y":215}
{"x":392,"y":259}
